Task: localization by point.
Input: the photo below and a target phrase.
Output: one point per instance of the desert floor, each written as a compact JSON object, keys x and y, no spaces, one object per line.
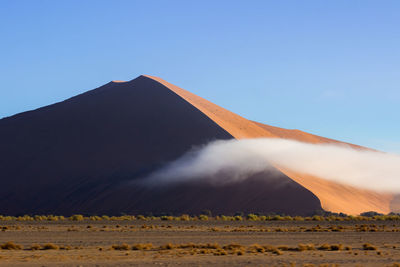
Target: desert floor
{"x":200,"y":243}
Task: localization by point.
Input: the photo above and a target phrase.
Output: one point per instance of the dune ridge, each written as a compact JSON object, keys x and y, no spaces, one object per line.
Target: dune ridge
{"x":334,"y":197}
{"x":89,"y":153}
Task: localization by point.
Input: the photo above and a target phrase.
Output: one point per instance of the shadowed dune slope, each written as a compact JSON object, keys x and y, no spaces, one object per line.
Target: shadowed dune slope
{"x":334,"y":197}
{"x":86,"y":154}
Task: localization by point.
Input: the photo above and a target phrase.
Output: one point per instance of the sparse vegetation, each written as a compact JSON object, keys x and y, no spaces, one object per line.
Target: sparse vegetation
{"x":121,"y":247}
{"x":333,"y":247}
{"x":10,"y":246}
{"x":49,"y":246}
{"x":366,"y":216}
{"x":35,"y":247}
{"x":368,"y":246}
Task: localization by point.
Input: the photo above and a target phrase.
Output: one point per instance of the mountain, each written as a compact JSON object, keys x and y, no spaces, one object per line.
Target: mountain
{"x":89,"y":153}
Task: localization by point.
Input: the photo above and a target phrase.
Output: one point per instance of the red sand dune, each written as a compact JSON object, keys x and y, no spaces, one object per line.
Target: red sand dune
{"x":86,"y":154}
{"x":334,"y":197}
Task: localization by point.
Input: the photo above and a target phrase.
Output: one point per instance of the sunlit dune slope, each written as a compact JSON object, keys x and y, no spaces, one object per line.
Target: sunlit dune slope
{"x":334,"y":197}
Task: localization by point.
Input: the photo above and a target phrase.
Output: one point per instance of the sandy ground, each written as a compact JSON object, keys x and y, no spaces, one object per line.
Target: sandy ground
{"x":90,"y":243}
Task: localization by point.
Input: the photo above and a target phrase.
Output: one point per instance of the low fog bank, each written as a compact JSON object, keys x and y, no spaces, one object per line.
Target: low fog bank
{"x":242,"y":158}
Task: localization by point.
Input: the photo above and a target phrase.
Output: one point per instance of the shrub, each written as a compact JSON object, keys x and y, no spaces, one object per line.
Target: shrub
{"x":252,"y":217}
{"x":121,"y":247}
{"x":50,"y":246}
{"x":238,"y":218}
{"x":141,"y":217}
{"x":203,"y":217}
{"x":368,"y":246}
{"x":167,"y":246}
{"x":76,"y":217}
{"x":220,"y":252}
{"x":35,"y":247}
{"x":337,"y":247}
{"x":147,"y":246}
{"x":10,"y":246}
{"x":277,"y":218}
{"x":184,"y":217}
{"x":304,"y":247}
{"x":330,"y":247}
{"x":257,"y":248}
{"x":232,"y":246}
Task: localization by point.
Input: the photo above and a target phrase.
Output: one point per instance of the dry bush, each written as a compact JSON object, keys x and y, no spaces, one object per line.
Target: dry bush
{"x":256,"y":248}
{"x":277,"y":251}
{"x":188,"y":245}
{"x":368,"y":246}
{"x":337,"y":247}
{"x":233,"y":246}
{"x":220,"y":252}
{"x":77,"y":217}
{"x":203,"y":217}
{"x":284,"y":247}
{"x":167,"y":246}
{"x":121,"y":247}
{"x":305,"y":247}
{"x":238,"y":218}
{"x":252,"y":217}
{"x":49,"y":246}
{"x":35,"y":247}
{"x":10,"y":246}
{"x":167,"y":218}
{"x":184,"y":217}
{"x":333,"y":247}
{"x":146,"y":246}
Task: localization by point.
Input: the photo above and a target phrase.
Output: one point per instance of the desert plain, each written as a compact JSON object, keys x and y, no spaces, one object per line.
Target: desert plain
{"x":200,"y":241}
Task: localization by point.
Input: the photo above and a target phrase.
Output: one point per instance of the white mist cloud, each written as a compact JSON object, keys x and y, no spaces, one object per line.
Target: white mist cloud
{"x":241,"y":158}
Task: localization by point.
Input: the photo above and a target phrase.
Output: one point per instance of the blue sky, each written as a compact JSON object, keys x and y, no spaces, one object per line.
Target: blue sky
{"x":328,"y":67}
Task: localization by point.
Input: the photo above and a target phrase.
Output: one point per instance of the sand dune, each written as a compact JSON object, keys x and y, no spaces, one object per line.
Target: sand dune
{"x":85,"y":154}
{"x":81,"y":156}
{"x":334,"y":197}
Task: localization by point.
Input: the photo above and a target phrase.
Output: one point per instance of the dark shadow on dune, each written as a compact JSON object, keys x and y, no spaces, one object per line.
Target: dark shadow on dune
{"x":73,"y":156}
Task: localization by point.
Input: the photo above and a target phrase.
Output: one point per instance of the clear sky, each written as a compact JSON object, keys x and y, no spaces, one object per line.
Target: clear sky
{"x":327,"y":67}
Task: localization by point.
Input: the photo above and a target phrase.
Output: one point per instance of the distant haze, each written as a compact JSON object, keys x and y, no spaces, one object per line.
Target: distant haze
{"x":240,"y":158}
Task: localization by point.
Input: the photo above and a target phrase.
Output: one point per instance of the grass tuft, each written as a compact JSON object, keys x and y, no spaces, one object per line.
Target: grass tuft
{"x":10,"y":246}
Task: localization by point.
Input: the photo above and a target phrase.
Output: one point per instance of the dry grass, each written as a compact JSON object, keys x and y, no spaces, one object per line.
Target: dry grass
{"x":369,"y":216}
{"x":121,"y":247}
{"x":49,"y":246}
{"x":331,"y":247}
{"x":35,"y":247}
{"x":10,"y":246}
{"x":368,"y":246}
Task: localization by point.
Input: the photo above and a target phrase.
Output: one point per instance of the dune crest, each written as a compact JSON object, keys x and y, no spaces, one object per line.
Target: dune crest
{"x":88,"y":154}
{"x":334,"y":197}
